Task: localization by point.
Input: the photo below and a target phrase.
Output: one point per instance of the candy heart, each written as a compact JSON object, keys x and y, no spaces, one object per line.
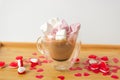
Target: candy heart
{"x":61,"y":77}
{"x":39,"y":76}
{"x":78,"y":74}
{"x":2,"y":64}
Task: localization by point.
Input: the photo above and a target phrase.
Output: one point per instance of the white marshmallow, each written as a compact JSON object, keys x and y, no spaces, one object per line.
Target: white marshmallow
{"x":50,"y":36}
{"x":61,"y":35}
{"x":21,"y":69}
{"x":46,"y":28}
{"x":54,"y":22}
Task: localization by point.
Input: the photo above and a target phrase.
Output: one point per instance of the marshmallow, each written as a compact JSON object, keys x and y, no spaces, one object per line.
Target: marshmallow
{"x":50,"y":36}
{"x":61,"y":35}
{"x":46,"y":28}
{"x":21,"y":70}
{"x":54,"y":22}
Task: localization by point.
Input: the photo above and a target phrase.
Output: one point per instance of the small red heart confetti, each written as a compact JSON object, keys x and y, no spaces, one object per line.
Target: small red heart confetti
{"x":78,"y":68}
{"x":2,"y":64}
{"x":114,"y":76}
{"x":72,"y":69}
{"x":61,"y":77}
{"x":13,"y":65}
{"x":34,"y":53}
{"x":114,"y":70}
{"x":45,"y":61}
{"x":115,"y":60}
{"x":104,"y":58}
{"x":78,"y":74}
{"x":40,"y":70}
{"x":39,"y":76}
{"x":92,"y":56}
{"x":32,"y":68}
{"x":86,"y":74}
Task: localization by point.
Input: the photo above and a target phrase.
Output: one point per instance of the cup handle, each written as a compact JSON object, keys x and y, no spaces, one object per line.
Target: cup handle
{"x":38,"y":44}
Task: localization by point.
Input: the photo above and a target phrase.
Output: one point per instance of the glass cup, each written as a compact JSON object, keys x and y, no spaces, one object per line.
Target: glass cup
{"x":62,"y":52}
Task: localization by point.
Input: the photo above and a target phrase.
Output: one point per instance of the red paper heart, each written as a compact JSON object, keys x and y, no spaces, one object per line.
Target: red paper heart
{"x":40,"y":70}
{"x":39,"y":76}
{"x":34,"y":53}
{"x":115,"y":60}
{"x":2,"y":64}
{"x":114,"y":76}
{"x":86,"y":74}
{"x":61,"y":77}
{"x":78,"y":74}
{"x":13,"y":64}
{"x":104,"y":58}
{"x":92,"y":56}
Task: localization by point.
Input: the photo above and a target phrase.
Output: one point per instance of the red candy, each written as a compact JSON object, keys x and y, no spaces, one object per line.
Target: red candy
{"x":20,"y":61}
{"x":34,"y":62}
{"x":94,"y":66}
{"x":19,"y":57}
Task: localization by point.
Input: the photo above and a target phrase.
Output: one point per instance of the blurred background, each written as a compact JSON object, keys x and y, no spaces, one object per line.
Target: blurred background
{"x":20,"y":20}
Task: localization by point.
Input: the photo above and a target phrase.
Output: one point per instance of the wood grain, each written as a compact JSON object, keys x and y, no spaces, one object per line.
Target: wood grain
{"x":9,"y":51}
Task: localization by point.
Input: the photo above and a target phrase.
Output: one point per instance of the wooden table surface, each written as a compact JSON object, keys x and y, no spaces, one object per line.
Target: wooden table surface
{"x":8,"y":52}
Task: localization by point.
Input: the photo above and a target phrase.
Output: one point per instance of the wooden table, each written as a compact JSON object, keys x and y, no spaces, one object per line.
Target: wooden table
{"x":9,"y":50}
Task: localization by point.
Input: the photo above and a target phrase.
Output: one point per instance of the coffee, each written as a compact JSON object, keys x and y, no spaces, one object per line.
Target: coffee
{"x":59,"y":50}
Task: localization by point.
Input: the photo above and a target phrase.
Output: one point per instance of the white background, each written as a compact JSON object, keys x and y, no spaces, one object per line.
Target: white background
{"x":20,"y":20}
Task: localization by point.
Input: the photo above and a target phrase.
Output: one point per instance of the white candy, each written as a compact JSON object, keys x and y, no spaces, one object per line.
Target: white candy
{"x":92,"y":61}
{"x":34,"y":60}
{"x":61,"y":35}
{"x":21,"y":69}
{"x":46,"y":28}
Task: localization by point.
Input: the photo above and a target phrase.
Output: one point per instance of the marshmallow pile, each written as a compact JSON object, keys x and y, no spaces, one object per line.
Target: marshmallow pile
{"x":59,"y":29}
